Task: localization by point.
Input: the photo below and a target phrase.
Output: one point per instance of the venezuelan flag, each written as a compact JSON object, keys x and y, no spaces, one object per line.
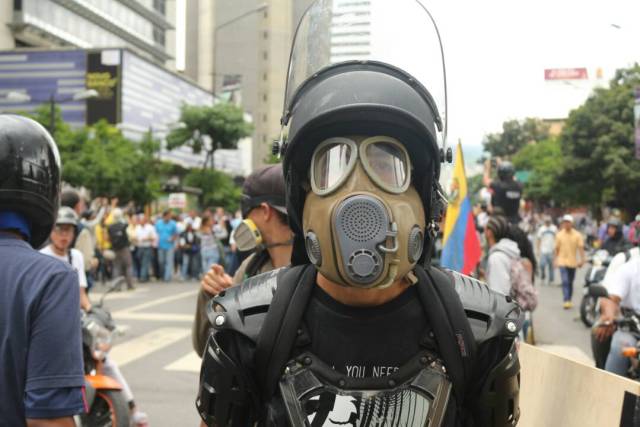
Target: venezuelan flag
{"x":461,"y":248}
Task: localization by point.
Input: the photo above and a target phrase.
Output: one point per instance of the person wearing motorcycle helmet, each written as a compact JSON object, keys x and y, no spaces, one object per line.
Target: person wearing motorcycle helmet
{"x":41,"y":372}
{"x":506,"y":192}
{"x":615,"y":241}
{"x":62,"y":237}
{"x":360,"y":308}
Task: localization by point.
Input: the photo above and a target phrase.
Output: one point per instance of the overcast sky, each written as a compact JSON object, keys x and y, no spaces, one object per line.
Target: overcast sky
{"x":496,"y":53}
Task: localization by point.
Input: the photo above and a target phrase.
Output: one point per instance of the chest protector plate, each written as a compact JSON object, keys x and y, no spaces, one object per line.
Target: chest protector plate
{"x":414,"y":396}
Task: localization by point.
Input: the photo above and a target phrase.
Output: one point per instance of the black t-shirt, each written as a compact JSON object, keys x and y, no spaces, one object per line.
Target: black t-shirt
{"x":365,"y":341}
{"x":507,"y":195}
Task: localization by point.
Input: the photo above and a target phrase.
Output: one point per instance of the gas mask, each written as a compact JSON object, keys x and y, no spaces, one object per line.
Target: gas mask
{"x":248,"y":238}
{"x":363,"y":222}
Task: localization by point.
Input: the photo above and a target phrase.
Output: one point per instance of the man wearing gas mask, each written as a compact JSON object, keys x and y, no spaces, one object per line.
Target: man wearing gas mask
{"x":264,"y":232}
{"x":360,"y":330}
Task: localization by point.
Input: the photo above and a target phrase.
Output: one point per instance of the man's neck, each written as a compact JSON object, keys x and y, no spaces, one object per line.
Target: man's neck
{"x":280,"y":255}
{"x":359,"y":297}
{"x":56,"y":250}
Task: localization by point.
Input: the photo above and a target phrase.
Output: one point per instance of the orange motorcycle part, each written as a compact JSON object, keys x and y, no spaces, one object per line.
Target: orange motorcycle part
{"x":630,"y":352}
{"x":103,"y":382}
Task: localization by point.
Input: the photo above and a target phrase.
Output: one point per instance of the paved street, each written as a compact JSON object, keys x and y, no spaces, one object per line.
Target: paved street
{"x":155,"y":352}
{"x":156,"y":357}
{"x":559,"y":330}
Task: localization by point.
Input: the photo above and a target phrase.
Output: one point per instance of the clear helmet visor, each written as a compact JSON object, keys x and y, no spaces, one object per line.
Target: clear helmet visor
{"x":400,"y":33}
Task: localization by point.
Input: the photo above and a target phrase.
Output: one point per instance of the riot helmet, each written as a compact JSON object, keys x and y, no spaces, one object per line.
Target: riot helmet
{"x":374,"y":118}
{"x":29,"y":174}
{"x":505,"y":171}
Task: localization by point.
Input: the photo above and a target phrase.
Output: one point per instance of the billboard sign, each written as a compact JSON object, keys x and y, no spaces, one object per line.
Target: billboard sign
{"x":565,"y":74}
{"x":103,"y":70}
{"x":178,"y":200}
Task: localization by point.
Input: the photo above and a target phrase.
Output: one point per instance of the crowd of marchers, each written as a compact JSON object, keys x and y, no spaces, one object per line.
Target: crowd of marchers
{"x":118,"y":240}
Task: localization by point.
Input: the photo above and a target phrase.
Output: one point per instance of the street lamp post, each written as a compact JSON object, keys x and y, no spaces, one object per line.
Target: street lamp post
{"x":257,"y":9}
{"x":78,"y":96}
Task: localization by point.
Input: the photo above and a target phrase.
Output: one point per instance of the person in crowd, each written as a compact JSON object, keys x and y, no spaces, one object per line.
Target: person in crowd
{"x":483,"y":217}
{"x":210,"y":247}
{"x":146,"y":237}
{"x":133,"y":221}
{"x":634,"y":231}
{"x":41,"y":374}
{"x":167,"y":231}
{"x":506,"y":192}
{"x":119,"y":238}
{"x":189,"y":244}
{"x":615,"y":241}
{"x":546,"y":241}
{"x":84,"y":241}
{"x":568,"y":255}
{"x":222,"y":230}
{"x":502,"y":250}
{"x":263,"y":207}
{"x":61,"y":239}
{"x":60,"y":248}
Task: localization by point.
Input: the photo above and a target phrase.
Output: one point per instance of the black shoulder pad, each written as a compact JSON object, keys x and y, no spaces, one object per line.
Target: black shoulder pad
{"x":243,"y":308}
{"x":490,"y":313}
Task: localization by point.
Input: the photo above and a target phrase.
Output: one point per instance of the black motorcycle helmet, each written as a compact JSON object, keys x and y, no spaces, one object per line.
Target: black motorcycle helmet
{"x":505,"y":171}
{"x":29,"y":174}
{"x":360,"y":98}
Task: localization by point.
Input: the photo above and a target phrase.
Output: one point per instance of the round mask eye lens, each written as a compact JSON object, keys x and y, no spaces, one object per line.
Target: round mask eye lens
{"x":389,"y":164}
{"x":331,"y":165}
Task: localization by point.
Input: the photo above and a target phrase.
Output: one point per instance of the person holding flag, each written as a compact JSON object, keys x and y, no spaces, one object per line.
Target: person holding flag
{"x":461,"y":246}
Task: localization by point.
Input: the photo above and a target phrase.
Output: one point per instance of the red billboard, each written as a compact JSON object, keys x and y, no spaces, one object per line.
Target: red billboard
{"x":565,"y":74}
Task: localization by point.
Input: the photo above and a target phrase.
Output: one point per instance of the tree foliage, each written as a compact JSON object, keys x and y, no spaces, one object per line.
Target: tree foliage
{"x":218,"y":188}
{"x":598,"y":147}
{"x":101,"y":159}
{"x":223,"y":123}
{"x":514,"y":136}
{"x":544,"y":160}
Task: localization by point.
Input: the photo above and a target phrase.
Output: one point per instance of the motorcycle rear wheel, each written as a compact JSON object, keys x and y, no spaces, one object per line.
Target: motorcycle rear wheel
{"x":588,"y":313}
{"x":109,"y":409}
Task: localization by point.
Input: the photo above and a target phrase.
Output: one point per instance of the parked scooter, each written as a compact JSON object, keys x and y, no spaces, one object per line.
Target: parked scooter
{"x":106,"y":403}
{"x":595,"y":274}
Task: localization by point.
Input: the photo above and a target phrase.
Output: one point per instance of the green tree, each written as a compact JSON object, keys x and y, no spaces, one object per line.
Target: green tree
{"x":101,"y":159}
{"x":514,"y":136}
{"x":598,"y":147}
{"x":222,"y":123}
{"x":545,"y":162}
{"x":218,"y":188}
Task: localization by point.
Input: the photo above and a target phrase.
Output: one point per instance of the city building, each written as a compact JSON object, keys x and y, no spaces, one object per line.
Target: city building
{"x":132,"y":92}
{"x":144,"y":26}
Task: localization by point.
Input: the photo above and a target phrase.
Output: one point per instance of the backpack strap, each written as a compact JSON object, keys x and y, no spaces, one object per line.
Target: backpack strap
{"x":280,"y":328}
{"x":254,"y":265}
{"x":456,"y":343}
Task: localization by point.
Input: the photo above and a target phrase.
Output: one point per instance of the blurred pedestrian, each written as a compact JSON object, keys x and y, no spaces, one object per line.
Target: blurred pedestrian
{"x":634,"y":231}
{"x":190,"y":247}
{"x":569,"y":255}
{"x":119,"y":238}
{"x":145,"y":237}
{"x":167,"y":231}
{"x":506,"y":192}
{"x":210,"y":247}
{"x":546,"y":241}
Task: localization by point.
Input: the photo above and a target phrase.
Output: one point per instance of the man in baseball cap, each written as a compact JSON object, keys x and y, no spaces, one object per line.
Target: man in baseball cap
{"x":264,"y":231}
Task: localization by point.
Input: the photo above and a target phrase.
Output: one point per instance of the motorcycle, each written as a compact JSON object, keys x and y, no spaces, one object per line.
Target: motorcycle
{"x":629,"y":321}
{"x":106,"y":403}
{"x":595,"y":274}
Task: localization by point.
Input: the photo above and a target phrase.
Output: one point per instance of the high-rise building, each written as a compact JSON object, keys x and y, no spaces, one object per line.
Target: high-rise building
{"x":251,"y":41}
{"x":145,"y":26}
